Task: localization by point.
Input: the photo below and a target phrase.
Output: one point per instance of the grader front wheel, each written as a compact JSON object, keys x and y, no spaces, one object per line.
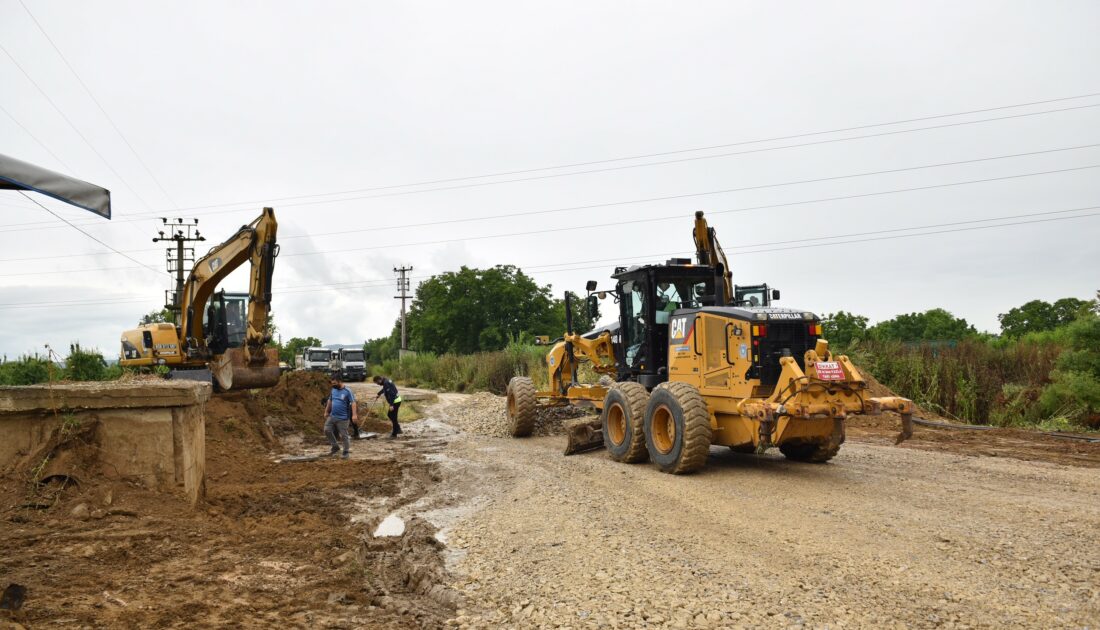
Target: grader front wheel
{"x":521,"y":406}
{"x":677,"y":428}
{"x":622,"y":419}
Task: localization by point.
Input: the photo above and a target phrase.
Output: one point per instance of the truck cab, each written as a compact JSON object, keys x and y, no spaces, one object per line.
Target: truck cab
{"x":318,"y":359}
{"x":352,"y":364}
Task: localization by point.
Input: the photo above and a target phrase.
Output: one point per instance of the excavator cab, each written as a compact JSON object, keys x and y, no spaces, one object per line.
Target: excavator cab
{"x":225,"y":321}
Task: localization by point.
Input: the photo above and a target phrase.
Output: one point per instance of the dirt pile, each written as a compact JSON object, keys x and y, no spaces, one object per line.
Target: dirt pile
{"x":484,"y":414}
{"x":274,"y":544}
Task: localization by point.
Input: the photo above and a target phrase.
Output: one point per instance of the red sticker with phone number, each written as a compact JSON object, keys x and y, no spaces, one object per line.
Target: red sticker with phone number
{"x":829,"y":371}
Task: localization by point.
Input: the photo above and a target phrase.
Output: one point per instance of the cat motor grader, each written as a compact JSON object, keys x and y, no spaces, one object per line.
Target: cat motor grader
{"x":695,"y":361}
{"x":221,"y":336}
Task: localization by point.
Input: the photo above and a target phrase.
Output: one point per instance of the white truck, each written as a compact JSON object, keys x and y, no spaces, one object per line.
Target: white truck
{"x":317,"y":360}
{"x":351,"y":363}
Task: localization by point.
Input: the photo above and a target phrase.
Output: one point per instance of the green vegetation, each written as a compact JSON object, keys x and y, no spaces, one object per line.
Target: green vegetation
{"x":27,"y":370}
{"x":1044,"y":370}
{"x":482,"y":371}
{"x":480,"y":310}
{"x":80,"y":365}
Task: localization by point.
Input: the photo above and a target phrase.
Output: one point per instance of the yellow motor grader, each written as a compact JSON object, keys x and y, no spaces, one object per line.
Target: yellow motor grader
{"x":694,"y":361}
{"x":221,"y":336}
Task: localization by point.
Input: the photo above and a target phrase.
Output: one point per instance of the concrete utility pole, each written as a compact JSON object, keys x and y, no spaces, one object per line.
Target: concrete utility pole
{"x":403,"y":287}
{"x":181,"y":231}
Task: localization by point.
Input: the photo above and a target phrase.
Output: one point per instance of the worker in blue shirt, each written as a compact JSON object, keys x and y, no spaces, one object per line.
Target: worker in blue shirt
{"x":340,"y":409}
{"x":394,"y":400}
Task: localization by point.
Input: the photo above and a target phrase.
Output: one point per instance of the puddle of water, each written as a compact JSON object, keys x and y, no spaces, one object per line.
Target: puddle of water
{"x":392,"y":525}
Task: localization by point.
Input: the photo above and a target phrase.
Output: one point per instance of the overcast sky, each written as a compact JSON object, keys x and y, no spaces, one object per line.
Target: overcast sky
{"x":229,"y":106}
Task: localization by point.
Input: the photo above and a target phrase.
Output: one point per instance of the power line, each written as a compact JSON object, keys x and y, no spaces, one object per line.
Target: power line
{"x":98,"y":104}
{"x":878,"y":237}
{"x":618,"y":223}
{"x":657,"y":219}
{"x":72,"y":126}
{"x":690,"y":150}
{"x":664,"y":198}
{"x":35,"y":138}
{"x":77,"y":228}
{"x":291,"y":199}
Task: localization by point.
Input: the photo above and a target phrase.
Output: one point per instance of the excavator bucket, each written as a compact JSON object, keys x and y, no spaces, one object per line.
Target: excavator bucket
{"x":233,"y":371}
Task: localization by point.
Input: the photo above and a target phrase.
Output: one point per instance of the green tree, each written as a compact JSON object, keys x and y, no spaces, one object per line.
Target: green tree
{"x":163,"y":315}
{"x":295,"y":346}
{"x":842,"y":328}
{"x":1037,"y":316}
{"x":472,"y":310}
{"x":583,"y":321}
{"x":935,"y":324}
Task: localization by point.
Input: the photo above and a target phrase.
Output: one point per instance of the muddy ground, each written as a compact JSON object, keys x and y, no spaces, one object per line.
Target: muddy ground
{"x":274,"y":544}
{"x":952,"y":529}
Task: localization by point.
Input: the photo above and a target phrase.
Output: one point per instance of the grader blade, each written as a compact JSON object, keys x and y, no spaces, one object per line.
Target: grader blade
{"x":233,"y":371}
{"x":583,"y":435}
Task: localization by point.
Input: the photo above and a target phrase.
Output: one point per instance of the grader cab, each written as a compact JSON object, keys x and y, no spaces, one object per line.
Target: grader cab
{"x":694,"y":365}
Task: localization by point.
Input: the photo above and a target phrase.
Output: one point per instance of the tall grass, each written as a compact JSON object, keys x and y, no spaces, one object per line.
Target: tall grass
{"x":484,"y":371}
{"x":974,"y":381}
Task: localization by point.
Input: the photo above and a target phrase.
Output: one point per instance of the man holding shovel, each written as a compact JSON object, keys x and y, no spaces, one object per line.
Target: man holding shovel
{"x":392,"y":398}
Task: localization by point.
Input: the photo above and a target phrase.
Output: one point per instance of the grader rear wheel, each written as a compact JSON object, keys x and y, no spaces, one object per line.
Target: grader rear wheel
{"x":521,"y":406}
{"x":622,"y":419}
{"x":677,"y":428}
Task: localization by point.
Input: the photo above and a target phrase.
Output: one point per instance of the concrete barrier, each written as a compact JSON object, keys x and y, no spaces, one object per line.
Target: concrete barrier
{"x":149,"y":431}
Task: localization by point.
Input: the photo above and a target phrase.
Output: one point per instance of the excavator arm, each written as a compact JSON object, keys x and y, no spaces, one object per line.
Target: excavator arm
{"x":253,"y":364}
{"x":710,"y":253}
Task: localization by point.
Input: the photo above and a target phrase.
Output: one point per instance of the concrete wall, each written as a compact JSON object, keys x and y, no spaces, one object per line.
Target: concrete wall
{"x":149,"y":431}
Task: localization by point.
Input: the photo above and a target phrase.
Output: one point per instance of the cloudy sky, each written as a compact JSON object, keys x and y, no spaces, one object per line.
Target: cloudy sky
{"x":822,"y":139}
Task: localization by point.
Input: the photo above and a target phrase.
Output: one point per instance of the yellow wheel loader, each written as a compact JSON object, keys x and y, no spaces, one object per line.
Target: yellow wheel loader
{"x":221,"y":337}
{"x":698,"y":362}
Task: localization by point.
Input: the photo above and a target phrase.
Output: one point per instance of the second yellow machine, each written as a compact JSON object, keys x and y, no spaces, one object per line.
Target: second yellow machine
{"x":221,"y":336}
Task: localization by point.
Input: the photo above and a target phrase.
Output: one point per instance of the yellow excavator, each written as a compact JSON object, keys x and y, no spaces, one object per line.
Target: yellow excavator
{"x":696,"y":361}
{"x":221,"y":336}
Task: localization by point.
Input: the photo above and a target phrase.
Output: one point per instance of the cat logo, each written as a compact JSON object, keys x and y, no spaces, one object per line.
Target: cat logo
{"x":678,"y":328}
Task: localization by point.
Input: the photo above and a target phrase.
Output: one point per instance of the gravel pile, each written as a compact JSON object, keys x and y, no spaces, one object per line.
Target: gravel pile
{"x":484,"y":414}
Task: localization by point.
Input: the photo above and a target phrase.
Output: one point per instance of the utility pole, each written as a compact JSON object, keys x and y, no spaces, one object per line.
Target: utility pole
{"x":403,"y":288}
{"x":181,"y":231}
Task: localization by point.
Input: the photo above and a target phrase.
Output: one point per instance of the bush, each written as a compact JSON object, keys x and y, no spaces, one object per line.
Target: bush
{"x":973,"y":380}
{"x":1074,"y":391}
{"x":86,"y":365}
{"x":27,"y":370}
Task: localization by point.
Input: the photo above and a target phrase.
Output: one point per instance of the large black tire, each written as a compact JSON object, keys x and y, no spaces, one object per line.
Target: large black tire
{"x":677,"y":428}
{"x":622,"y":419}
{"x":811,"y":452}
{"x":521,"y":406}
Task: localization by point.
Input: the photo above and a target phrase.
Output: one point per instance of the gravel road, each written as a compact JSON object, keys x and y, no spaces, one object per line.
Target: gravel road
{"x":880,"y":537}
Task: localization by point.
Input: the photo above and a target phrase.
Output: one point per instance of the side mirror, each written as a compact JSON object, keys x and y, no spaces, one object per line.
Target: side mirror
{"x":775,"y":294}
{"x":593,"y":307}
{"x":590,"y":286}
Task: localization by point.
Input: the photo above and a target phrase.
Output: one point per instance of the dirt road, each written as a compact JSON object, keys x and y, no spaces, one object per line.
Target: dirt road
{"x":496,"y":532}
{"x":880,"y":537}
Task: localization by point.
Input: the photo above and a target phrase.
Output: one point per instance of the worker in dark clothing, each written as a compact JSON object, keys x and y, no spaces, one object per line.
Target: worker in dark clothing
{"x":394,"y":400}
